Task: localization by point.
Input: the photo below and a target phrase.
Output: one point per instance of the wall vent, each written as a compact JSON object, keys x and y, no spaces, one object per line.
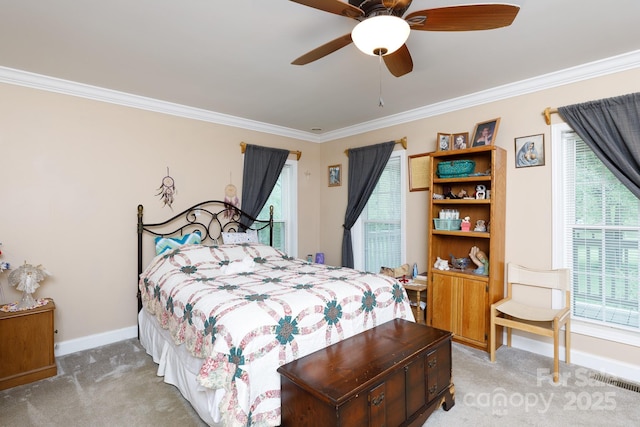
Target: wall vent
{"x":615,"y":382}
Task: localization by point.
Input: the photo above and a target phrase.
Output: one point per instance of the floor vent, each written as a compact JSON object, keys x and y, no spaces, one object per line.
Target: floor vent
{"x":616,"y":382}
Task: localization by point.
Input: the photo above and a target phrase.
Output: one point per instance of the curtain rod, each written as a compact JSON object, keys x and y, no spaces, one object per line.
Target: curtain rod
{"x":547,"y":114}
{"x":243,"y":148}
{"x":402,"y":141}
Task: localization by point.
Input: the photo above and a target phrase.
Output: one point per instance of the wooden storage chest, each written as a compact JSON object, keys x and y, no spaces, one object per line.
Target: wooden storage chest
{"x":395,"y":374}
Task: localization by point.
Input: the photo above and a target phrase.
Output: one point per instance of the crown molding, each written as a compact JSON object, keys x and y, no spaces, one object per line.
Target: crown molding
{"x":66,"y":87}
{"x":590,"y":70}
{"x":615,"y":64}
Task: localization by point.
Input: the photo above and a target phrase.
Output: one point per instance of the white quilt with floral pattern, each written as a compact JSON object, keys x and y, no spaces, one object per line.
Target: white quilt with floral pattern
{"x":276,"y":309}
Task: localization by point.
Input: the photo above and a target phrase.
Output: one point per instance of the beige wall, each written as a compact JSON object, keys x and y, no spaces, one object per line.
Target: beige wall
{"x":528,"y":225}
{"x":73,"y":170}
{"x":72,"y":173}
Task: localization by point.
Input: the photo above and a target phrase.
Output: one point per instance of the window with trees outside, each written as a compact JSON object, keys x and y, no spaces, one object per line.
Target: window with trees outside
{"x":378,"y":235}
{"x":596,"y":234}
{"x":284,"y":200}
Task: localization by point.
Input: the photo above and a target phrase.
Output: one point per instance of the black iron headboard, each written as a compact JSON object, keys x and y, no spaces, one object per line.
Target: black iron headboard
{"x":210,"y":218}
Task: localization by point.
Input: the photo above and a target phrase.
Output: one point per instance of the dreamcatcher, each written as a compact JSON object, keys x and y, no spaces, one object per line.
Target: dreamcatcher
{"x":167,"y":190}
{"x":231,"y":198}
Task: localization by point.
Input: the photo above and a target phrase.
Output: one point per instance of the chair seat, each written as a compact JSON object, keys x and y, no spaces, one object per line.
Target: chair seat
{"x":523,"y":311}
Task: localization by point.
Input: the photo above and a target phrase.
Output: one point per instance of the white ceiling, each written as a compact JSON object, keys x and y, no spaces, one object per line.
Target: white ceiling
{"x":234,"y":57}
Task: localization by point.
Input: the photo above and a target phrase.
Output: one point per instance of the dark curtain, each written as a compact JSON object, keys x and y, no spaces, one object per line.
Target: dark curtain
{"x":611,"y":128}
{"x":366,"y":165}
{"x":262,"y":167}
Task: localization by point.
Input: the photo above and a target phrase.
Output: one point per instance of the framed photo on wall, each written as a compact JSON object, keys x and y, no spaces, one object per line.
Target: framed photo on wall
{"x":529,"y":151}
{"x":335,"y":175}
{"x":460,"y":141}
{"x":444,"y":141}
{"x":485,"y":133}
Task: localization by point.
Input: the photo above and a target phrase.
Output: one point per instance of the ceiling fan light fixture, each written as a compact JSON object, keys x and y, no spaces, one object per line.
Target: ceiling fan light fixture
{"x":380,"y":35}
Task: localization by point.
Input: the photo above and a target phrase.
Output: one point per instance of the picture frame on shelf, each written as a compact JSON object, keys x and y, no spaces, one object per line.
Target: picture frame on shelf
{"x":485,"y":133}
{"x":419,"y":171}
{"x":460,"y":140}
{"x":444,"y":141}
{"x":335,"y":175}
{"x":529,"y":151}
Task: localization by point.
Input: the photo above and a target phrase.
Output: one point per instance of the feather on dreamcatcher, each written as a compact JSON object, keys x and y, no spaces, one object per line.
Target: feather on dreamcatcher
{"x":167,"y":190}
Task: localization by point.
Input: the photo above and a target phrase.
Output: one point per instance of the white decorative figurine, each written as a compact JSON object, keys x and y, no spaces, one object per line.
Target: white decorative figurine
{"x":27,"y":278}
{"x":441,"y":264}
{"x":480,"y":225}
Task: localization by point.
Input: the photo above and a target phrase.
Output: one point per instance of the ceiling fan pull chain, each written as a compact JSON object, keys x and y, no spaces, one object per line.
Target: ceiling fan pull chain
{"x":380,"y":101}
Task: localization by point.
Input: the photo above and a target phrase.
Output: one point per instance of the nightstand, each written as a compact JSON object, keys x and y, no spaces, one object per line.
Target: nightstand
{"x":416,"y":288}
{"x":27,"y":346}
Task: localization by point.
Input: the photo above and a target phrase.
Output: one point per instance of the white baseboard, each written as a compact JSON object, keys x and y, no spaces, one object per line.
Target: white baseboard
{"x":604,"y":365}
{"x":93,"y":341}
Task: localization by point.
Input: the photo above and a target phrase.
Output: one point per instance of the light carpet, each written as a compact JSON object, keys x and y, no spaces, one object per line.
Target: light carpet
{"x":116,"y":385}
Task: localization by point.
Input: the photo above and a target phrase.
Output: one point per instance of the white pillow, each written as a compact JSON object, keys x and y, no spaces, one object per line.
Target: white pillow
{"x":246,"y":265}
{"x":251,"y":236}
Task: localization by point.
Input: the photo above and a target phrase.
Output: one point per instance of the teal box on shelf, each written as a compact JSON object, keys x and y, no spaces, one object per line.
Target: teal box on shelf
{"x":447,"y":224}
{"x":456,"y":168}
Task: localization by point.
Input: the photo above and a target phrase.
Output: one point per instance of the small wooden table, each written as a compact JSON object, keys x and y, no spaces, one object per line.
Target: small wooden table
{"x":395,"y":374}
{"x":418,"y":288}
{"x":26,"y":338}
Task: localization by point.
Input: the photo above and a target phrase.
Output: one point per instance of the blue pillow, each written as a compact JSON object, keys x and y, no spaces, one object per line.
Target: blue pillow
{"x":164,"y":244}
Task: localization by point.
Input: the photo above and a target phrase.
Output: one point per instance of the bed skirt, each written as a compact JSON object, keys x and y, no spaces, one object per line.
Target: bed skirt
{"x":179,"y":368}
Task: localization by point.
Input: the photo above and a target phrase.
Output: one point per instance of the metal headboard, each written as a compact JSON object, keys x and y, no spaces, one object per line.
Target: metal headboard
{"x":210,"y":218}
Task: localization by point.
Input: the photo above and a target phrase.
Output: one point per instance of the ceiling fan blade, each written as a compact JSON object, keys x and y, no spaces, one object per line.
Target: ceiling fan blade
{"x":333,"y":6}
{"x":399,"y":62}
{"x":324,"y":50}
{"x":463,"y":18}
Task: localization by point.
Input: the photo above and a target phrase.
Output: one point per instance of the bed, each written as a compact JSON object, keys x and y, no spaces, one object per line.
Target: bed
{"x":219,"y":318}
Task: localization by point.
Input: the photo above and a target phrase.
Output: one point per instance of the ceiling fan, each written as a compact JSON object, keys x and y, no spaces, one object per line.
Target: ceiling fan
{"x":453,"y":18}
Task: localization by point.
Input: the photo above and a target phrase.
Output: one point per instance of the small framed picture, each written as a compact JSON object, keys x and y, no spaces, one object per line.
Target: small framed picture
{"x":485,"y":133}
{"x":529,"y":151}
{"x":335,"y":175}
{"x":460,"y":141}
{"x":444,"y":141}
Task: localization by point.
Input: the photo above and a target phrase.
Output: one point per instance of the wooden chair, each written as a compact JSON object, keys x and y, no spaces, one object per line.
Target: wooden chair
{"x":534,"y":304}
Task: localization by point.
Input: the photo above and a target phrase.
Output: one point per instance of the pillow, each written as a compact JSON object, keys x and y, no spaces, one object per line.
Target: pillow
{"x":164,"y":244}
{"x":251,"y":236}
{"x":245,"y":265}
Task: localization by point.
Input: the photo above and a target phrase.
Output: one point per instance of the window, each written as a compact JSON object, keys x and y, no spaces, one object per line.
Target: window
{"x":378,"y":236}
{"x":284,"y":200}
{"x":596,"y":235}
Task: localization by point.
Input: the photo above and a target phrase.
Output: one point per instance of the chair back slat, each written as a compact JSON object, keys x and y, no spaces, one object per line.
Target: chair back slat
{"x":553,"y":279}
